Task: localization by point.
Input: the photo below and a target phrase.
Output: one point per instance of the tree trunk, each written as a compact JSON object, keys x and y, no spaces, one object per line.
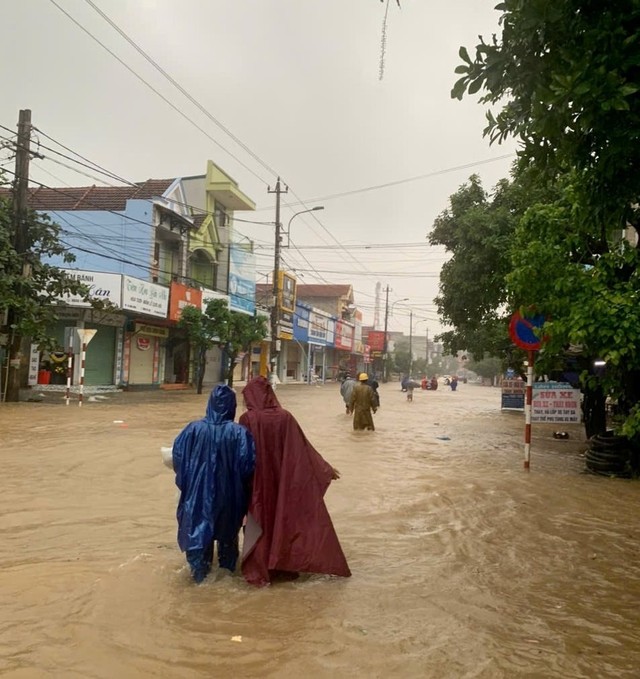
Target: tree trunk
{"x":15,"y":376}
{"x":230,"y":367}
{"x":594,"y":410}
{"x":201,"y":366}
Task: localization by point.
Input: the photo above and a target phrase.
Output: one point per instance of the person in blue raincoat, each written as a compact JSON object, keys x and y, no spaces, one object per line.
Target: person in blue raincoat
{"x":214,"y":459}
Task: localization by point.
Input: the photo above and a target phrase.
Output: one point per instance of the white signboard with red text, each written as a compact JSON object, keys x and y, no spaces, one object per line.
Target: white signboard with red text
{"x":555,"y":402}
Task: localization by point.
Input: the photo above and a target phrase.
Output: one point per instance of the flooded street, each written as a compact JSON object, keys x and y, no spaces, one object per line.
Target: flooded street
{"x":463,"y":564}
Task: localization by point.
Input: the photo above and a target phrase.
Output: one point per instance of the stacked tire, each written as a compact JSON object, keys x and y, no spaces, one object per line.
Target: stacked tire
{"x":609,"y":455}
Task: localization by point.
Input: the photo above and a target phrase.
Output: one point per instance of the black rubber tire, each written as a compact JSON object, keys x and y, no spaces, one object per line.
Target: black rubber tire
{"x":609,"y":474}
{"x":609,"y":450}
{"x":603,"y":456}
{"x":610,"y":441}
{"x":606,"y":467}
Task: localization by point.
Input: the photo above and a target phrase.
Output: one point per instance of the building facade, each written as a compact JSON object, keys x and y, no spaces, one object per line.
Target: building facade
{"x":146,"y":251}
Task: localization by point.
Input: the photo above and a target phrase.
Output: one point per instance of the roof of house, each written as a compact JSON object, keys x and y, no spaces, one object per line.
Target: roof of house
{"x":304,"y":291}
{"x":329,"y":290}
{"x":198,"y":219}
{"x":94,"y":197}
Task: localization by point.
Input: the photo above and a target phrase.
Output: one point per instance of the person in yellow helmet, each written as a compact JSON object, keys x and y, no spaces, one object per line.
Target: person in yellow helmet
{"x":362,"y":404}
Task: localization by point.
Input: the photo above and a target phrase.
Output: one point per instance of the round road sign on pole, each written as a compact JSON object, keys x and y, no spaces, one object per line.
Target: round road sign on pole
{"x":522,"y":331}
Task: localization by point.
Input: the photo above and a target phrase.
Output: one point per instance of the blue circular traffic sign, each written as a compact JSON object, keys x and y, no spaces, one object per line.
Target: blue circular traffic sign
{"x":523,"y":330}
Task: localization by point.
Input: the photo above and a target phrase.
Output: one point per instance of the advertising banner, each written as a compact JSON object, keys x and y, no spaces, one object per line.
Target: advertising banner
{"x":144,"y":298}
{"x":34,"y":365}
{"x":287,"y":291}
{"x":318,"y":327}
{"x":301,"y":324}
{"x":287,"y":304}
{"x":151,"y":330}
{"x":555,"y":402}
{"x":106,"y":287}
{"x":513,"y":392}
{"x":331,"y":331}
{"x":182,"y":296}
{"x":208,"y":295}
{"x":242,"y":285}
{"x":376,"y":340}
{"x":344,"y":336}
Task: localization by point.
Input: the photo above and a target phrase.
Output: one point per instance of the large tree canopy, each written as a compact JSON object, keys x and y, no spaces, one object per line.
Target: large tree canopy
{"x":477,"y":229}
{"x":566,"y":75}
{"x":234,"y":332}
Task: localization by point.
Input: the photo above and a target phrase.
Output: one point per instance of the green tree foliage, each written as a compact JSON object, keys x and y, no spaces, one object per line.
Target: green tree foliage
{"x":205,"y":331}
{"x":218,"y":326}
{"x":565,"y":74}
{"x":477,"y":229}
{"x":566,"y":78}
{"x":490,"y":367}
{"x":244,"y":331}
{"x":401,"y":360}
{"x":29,"y":286}
{"x":590,"y":293}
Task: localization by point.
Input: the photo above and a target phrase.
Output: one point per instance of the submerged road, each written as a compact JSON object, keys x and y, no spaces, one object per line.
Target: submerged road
{"x":463,"y":564}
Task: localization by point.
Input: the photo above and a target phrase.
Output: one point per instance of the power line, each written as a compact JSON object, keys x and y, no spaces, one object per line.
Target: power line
{"x":185,"y":93}
{"x":75,"y":153}
{"x":84,"y":174}
{"x":181,"y":89}
{"x":95,"y":166}
{"x":155,"y":91}
{"x":397,"y":182}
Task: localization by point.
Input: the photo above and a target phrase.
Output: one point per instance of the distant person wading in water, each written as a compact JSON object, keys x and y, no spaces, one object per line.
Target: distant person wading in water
{"x":363,"y":402}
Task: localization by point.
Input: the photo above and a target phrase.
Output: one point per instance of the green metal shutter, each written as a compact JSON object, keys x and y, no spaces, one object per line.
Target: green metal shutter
{"x":99,"y":363}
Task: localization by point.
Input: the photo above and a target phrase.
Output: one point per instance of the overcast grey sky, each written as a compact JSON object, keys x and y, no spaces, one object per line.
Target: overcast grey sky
{"x":297,"y":81}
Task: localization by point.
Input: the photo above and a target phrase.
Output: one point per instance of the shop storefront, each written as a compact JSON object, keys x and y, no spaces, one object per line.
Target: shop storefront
{"x":145,"y":353}
{"x":321,"y":339}
{"x":146,"y":336}
{"x":104,"y":350}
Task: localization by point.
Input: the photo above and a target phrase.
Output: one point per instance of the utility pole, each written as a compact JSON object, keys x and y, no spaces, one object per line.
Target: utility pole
{"x":410,"y":341}
{"x":21,"y":246}
{"x":275,"y":310}
{"x":426,"y":347}
{"x":386,"y":341}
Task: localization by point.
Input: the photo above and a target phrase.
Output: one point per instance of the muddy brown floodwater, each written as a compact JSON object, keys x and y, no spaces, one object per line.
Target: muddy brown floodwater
{"x":463,"y":564}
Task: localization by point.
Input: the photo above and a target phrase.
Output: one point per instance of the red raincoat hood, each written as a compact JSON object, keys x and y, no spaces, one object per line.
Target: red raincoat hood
{"x":259,"y":395}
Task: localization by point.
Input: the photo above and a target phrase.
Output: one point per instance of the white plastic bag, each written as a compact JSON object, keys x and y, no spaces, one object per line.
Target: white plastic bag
{"x":167,"y":456}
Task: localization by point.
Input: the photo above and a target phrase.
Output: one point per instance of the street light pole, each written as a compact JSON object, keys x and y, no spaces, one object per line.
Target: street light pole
{"x":426,"y":347}
{"x":311,"y":209}
{"x":386,"y":342}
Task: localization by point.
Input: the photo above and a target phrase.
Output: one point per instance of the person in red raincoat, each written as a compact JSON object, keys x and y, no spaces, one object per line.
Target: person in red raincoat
{"x":288,"y":529}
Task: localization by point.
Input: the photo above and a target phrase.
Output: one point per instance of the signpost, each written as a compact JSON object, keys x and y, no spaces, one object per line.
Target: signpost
{"x":85,"y":337}
{"x":522,"y":330}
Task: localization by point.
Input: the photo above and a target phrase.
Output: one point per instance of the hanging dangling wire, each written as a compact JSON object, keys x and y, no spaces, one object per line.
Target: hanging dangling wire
{"x":383,"y":40}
